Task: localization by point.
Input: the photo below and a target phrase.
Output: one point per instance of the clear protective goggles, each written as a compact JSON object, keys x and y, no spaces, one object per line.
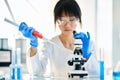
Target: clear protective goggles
{"x":71,"y":20}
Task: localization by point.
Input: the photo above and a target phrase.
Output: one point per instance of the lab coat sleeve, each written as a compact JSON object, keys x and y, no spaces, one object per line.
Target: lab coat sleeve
{"x":93,"y":64}
{"x":37,"y":63}
{"x":33,"y":64}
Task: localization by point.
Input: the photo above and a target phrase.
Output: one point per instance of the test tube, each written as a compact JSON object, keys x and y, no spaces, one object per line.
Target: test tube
{"x":12,"y":66}
{"x":101,"y":64}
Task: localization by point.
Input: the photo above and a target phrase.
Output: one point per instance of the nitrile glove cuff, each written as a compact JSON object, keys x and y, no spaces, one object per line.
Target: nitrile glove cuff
{"x":87,"y":55}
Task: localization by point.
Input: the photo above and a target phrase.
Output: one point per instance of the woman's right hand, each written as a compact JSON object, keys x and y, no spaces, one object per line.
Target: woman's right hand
{"x":27,"y":32}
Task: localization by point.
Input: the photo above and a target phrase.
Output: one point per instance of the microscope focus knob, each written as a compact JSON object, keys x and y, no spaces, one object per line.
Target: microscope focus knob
{"x":70,"y":63}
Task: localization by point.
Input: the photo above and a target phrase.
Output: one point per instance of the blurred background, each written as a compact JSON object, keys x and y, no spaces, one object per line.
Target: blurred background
{"x":100,"y":17}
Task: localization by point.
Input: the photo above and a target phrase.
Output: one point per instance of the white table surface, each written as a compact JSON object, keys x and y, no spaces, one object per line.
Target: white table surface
{"x":26,"y":76}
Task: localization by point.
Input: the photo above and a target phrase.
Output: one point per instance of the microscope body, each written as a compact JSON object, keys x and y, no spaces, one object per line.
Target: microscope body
{"x":77,"y":61}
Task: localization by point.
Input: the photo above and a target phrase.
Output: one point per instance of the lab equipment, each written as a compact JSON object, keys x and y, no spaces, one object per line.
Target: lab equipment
{"x":101,"y":69}
{"x":12,"y":67}
{"x":35,"y":33}
{"x":16,"y":66}
{"x":5,"y":57}
{"x":12,"y":72}
{"x":116,"y":72}
{"x":4,"y":43}
{"x":86,"y":42}
{"x":116,"y":75}
{"x":21,"y":43}
{"x":77,"y":61}
{"x":101,"y":64}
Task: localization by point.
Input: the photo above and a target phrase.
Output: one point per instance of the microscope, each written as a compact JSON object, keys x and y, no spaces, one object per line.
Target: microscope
{"x":77,"y":61}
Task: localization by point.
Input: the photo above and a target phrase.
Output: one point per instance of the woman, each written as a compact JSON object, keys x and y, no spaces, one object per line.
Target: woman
{"x":59,"y":51}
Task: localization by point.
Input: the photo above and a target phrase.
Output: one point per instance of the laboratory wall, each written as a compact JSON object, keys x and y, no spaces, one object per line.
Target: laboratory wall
{"x":116,"y":32}
{"x":104,"y":31}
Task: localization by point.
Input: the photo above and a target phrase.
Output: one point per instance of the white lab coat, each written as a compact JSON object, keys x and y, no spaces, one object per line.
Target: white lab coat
{"x":58,"y":56}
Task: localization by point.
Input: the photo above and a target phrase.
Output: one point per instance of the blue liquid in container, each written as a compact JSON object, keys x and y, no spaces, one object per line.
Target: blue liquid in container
{"x":102,"y":70}
{"x":12,"y":72}
{"x":19,"y":73}
{"x":116,"y":75}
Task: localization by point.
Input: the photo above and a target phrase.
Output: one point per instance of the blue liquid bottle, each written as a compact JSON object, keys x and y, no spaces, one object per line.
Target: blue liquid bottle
{"x":116,"y":71}
{"x":102,"y":70}
{"x":18,"y":66}
{"x":12,"y":67}
{"x":101,"y":65}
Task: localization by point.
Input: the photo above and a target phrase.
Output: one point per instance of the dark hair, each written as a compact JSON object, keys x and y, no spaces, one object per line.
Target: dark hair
{"x":70,"y":7}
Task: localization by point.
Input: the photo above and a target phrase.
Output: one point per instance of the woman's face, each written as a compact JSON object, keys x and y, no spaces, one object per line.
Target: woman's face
{"x":67,"y":24}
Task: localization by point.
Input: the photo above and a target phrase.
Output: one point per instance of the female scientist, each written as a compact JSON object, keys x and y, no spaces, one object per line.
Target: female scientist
{"x":59,"y":51}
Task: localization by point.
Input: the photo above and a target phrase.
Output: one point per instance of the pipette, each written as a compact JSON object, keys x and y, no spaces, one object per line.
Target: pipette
{"x":35,"y":33}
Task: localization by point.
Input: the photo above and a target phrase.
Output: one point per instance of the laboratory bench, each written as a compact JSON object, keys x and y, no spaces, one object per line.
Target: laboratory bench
{"x":26,"y":76}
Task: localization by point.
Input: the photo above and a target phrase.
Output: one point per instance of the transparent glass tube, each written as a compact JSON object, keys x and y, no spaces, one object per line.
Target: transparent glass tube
{"x":12,"y":66}
{"x":18,"y":65}
{"x":101,"y":64}
{"x":116,"y":71}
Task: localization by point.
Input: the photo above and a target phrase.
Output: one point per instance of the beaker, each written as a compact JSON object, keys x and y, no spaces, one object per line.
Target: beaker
{"x":116,"y":72}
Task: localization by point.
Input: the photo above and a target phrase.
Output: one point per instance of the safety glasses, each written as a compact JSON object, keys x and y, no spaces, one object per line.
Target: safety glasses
{"x":64,"y":20}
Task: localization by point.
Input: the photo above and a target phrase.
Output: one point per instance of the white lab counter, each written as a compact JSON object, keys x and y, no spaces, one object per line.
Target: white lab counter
{"x":27,"y":76}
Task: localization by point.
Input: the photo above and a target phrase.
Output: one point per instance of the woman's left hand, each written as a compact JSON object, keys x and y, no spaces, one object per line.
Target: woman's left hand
{"x":86,"y":43}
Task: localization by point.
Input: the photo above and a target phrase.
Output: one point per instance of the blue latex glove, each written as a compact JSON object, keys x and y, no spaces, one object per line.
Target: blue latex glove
{"x":27,"y":32}
{"x":86,"y":42}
